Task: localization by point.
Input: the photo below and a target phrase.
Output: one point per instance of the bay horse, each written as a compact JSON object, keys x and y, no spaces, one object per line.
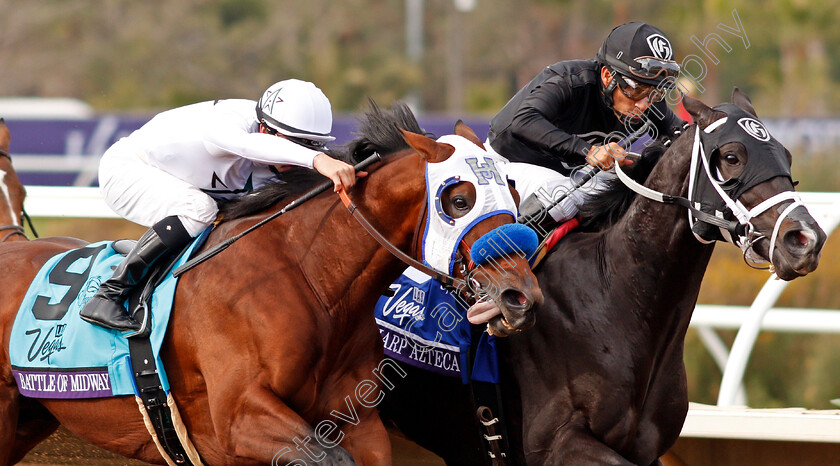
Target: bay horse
{"x":600,"y":379}
{"x":12,"y":192}
{"x":276,"y":334}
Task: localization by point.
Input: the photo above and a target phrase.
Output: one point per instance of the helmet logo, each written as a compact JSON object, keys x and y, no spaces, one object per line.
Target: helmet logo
{"x":270,"y":99}
{"x":659,"y":46}
{"x":754,"y":128}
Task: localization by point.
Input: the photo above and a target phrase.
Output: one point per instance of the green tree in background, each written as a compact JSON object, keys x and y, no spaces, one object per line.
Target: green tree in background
{"x":141,"y":56}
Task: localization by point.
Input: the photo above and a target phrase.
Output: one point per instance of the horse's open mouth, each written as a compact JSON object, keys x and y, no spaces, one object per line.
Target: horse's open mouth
{"x":497,"y":320}
{"x":500,"y":327}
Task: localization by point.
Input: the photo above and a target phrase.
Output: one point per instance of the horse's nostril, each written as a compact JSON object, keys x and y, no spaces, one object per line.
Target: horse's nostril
{"x":799,"y":240}
{"x":515,"y":299}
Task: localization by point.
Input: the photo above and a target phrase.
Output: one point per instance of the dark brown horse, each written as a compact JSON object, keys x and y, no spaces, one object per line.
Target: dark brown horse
{"x":275,"y":335}
{"x":600,"y":379}
{"x":12,"y":192}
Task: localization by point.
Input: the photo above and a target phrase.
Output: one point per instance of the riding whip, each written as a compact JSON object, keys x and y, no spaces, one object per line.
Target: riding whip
{"x":625,"y":143}
{"x":305,"y":197}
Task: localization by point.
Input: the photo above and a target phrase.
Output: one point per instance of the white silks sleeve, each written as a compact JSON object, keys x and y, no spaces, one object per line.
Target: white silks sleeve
{"x":257,"y":147}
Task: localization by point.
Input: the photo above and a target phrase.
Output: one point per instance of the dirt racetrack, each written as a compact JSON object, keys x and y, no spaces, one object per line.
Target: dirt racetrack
{"x":65,"y":448}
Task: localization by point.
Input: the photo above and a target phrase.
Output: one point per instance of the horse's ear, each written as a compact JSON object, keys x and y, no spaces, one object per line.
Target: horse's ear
{"x":702,"y":113}
{"x":5,"y":135}
{"x":461,"y":129}
{"x":740,"y":99}
{"x":430,"y":150}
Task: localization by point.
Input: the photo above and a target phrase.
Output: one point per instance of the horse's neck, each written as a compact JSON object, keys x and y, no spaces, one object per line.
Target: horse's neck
{"x":655,"y":241}
{"x":343,"y":264}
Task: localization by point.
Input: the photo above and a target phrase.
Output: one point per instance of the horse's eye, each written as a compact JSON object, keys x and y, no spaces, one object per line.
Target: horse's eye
{"x":731,"y":159}
{"x":460,"y":203}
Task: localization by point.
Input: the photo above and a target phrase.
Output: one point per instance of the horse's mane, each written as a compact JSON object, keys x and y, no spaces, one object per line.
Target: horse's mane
{"x":602,"y":210}
{"x":379,"y":131}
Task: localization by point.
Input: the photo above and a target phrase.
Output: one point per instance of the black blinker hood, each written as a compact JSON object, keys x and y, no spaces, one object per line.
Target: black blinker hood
{"x":766,"y":159}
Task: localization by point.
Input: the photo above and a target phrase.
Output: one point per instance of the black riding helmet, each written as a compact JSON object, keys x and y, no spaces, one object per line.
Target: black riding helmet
{"x":641,"y":53}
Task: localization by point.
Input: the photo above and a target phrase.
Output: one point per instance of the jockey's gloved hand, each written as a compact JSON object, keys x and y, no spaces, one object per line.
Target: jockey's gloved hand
{"x":342,"y":174}
{"x":604,"y":156}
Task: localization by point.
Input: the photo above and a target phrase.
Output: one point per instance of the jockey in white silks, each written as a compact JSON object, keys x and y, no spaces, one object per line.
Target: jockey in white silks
{"x":168,"y":174}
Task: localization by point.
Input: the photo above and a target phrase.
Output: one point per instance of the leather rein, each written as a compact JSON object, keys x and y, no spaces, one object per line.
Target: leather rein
{"x":445,"y":279}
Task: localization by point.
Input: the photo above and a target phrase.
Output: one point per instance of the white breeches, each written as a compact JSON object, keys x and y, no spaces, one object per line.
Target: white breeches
{"x":144,"y":194}
{"x":549,"y":185}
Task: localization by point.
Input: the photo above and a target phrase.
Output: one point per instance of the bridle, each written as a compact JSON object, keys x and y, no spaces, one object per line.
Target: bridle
{"x":15,"y":229}
{"x":462,"y":286}
{"x":445,"y":279}
{"x":740,"y":232}
{"x":12,"y":230}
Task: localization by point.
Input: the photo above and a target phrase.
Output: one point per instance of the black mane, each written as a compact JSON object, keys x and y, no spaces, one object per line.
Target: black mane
{"x":379,"y":131}
{"x":602,"y":210}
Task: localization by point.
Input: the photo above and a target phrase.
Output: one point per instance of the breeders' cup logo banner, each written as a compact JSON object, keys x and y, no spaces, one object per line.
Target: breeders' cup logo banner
{"x":660,"y":46}
{"x":419,"y":322}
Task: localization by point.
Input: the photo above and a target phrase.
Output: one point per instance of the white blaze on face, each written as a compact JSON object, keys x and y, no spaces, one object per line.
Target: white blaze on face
{"x":5,"y":190}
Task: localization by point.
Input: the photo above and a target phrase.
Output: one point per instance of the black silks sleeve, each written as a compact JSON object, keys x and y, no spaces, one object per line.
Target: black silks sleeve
{"x":533,"y":123}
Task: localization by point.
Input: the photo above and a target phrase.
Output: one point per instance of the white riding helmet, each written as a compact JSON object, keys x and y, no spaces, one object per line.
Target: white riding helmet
{"x":297,"y":109}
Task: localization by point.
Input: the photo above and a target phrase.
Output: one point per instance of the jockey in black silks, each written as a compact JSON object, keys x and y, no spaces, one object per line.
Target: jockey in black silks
{"x":619,"y":91}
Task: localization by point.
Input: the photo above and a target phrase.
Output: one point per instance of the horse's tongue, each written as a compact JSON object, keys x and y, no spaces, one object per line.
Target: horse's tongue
{"x":483,"y":311}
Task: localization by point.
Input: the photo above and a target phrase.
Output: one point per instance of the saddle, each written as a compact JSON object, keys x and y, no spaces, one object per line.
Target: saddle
{"x":55,"y":354}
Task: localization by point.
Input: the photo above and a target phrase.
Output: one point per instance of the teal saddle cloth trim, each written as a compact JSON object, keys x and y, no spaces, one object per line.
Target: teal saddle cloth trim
{"x":55,"y":354}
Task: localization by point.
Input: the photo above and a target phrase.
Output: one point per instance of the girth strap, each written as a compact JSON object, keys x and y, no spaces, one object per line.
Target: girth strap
{"x":150,"y":391}
{"x":487,"y":401}
{"x":489,"y":423}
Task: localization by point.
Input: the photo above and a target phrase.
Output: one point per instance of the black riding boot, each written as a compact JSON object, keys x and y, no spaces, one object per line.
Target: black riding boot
{"x":105,"y":308}
{"x":533,"y":214}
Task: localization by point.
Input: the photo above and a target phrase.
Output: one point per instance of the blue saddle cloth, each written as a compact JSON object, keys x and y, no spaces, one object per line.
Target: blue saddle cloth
{"x":55,"y":354}
{"x":423,"y":325}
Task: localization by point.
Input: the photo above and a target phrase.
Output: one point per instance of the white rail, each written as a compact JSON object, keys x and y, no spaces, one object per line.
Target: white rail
{"x":825,"y":208}
{"x":787,"y":424}
{"x":59,"y":201}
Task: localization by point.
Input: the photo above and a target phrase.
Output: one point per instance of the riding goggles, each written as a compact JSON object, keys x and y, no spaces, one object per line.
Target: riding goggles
{"x":637,"y":91}
{"x":308,"y":143}
{"x":652,"y":68}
